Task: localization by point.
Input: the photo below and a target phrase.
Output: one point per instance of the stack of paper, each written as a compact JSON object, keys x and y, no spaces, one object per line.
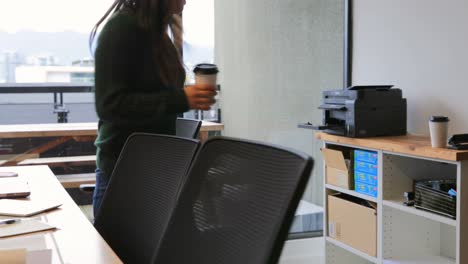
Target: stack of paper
{"x":23,"y":227}
{"x":23,"y":256}
{"x":13,"y":256}
{"x":24,"y":208}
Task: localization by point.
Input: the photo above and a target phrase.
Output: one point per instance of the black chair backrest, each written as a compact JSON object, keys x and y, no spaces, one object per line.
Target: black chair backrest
{"x":188,"y":128}
{"x":237,"y":204}
{"x":142,"y":194}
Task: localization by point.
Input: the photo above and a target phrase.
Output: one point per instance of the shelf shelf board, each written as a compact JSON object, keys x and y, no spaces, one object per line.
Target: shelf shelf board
{"x":421,"y":260}
{"x":419,"y":146}
{"x":352,"y":193}
{"x":352,"y":250}
{"x":409,"y":209}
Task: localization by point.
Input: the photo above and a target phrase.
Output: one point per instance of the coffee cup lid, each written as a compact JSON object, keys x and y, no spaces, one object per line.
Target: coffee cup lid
{"x":439,"y":119}
{"x":206,"y":68}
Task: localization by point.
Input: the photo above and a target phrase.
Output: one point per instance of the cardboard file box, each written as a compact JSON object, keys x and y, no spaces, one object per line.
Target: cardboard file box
{"x":338,"y":170}
{"x":352,"y":223}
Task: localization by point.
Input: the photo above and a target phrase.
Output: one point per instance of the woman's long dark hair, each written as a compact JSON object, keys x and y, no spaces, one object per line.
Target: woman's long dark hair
{"x":155,"y":17}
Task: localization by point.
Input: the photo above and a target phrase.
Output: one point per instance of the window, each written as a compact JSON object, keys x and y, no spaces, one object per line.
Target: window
{"x":198,"y":19}
{"x":50,"y":45}
{"x":47,"y":42}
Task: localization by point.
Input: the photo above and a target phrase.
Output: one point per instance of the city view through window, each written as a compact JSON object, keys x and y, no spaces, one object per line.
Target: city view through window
{"x":51,"y":46}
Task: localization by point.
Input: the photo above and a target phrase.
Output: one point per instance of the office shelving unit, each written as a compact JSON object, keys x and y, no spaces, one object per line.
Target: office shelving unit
{"x":406,"y":235}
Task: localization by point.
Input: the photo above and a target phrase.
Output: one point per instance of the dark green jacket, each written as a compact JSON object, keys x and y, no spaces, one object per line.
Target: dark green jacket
{"x":129,"y":95}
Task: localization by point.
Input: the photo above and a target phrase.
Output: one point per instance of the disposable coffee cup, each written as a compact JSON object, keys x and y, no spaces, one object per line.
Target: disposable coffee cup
{"x":438,"y":127}
{"x":206,"y":73}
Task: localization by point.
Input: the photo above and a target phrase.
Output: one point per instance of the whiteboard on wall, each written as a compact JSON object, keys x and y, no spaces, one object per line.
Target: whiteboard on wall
{"x":420,"y":46}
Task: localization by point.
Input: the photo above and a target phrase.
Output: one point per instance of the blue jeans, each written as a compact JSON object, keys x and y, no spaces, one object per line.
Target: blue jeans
{"x":102,"y":181}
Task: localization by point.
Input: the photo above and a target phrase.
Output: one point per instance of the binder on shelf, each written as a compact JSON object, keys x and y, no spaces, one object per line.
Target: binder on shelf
{"x":365,"y":178}
{"x":366,"y":156}
{"x":366,"y":189}
{"x":366,"y":172}
{"x":366,"y":167}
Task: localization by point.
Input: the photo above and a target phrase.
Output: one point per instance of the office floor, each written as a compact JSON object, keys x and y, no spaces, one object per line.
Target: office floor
{"x":87,"y":211}
{"x":304,"y":251}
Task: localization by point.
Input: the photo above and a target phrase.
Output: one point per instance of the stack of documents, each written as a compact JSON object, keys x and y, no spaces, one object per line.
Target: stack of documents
{"x":23,"y":208}
{"x":14,"y":227}
{"x":23,"y":256}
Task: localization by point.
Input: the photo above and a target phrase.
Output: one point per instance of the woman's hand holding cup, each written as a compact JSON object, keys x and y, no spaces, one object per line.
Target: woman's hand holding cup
{"x":201,"y":96}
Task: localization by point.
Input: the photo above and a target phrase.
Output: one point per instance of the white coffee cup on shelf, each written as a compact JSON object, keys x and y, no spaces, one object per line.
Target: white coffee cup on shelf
{"x":438,"y":127}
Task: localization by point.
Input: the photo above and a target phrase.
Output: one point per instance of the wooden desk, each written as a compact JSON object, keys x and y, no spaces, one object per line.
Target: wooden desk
{"x":83,"y":132}
{"x":72,"y":130}
{"x":75,"y":240}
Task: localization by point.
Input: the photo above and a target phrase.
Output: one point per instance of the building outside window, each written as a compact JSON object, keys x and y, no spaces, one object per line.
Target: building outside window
{"x":47,"y":46}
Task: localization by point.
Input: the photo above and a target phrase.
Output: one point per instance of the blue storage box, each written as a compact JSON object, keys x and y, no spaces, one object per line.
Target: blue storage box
{"x":366,"y":178}
{"x":366,"y":156}
{"x":365,"y":167}
{"x":366,"y":189}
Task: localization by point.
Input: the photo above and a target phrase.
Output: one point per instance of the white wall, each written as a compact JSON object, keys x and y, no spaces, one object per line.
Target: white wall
{"x":420,"y":46}
{"x":275,"y":58}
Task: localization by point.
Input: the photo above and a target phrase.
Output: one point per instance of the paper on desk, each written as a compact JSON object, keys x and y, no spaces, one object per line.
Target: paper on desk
{"x":39,"y":257}
{"x":21,"y":256}
{"x":24,"y":208}
{"x":23,"y":227}
{"x":15,"y":256}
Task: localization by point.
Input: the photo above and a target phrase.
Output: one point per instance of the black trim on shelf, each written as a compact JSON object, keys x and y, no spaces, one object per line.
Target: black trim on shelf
{"x":348,"y":44}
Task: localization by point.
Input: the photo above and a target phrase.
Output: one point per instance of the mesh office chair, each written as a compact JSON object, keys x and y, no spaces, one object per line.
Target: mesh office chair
{"x":142,"y":193}
{"x":237,"y":204}
{"x":188,"y":128}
